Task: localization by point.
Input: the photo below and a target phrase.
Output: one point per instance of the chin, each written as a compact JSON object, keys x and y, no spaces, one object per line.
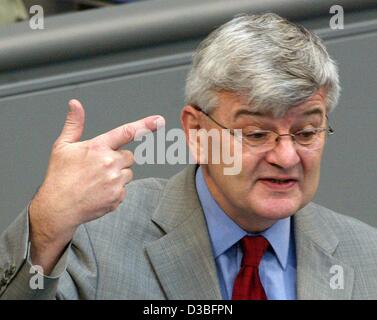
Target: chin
{"x":275,"y":209}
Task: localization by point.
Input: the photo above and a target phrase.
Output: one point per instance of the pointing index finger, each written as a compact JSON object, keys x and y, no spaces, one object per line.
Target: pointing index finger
{"x":126,"y":133}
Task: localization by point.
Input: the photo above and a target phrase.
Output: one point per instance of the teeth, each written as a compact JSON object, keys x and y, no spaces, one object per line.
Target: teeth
{"x":279,"y":181}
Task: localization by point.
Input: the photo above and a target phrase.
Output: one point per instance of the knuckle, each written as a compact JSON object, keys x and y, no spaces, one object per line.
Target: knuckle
{"x":127,"y":175}
{"x":129,"y":156}
{"x":112,"y":176}
{"x":130,"y":174}
{"x":128,"y":132}
{"x":108,"y":161}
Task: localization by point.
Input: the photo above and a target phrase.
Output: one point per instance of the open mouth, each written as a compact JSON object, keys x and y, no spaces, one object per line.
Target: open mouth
{"x":278,"y":183}
{"x":281,"y":181}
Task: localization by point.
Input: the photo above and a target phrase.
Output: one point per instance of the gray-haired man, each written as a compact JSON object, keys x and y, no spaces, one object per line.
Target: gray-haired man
{"x":203,"y":234}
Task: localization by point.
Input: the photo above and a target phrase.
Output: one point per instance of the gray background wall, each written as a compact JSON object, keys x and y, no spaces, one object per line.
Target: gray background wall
{"x":119,"y":83}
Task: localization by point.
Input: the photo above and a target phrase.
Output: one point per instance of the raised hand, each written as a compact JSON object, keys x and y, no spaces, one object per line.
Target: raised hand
{"x":84,"y":181}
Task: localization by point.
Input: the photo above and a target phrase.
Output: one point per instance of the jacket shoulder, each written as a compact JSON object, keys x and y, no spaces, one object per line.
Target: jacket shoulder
{"x":353,"y":235}
{"x":344,"y":223}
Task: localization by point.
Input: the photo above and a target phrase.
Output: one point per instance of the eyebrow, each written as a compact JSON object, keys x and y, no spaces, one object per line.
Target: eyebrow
{"x":313,"y":111}
{"x":241,"y":112}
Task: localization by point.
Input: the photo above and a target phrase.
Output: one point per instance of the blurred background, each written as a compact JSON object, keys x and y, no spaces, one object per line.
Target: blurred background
{"x":18,"y":10}
{"x":128,"y":59}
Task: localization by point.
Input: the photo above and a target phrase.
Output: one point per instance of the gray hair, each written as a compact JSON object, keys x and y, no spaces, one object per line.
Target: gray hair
{"x":274,"y":63}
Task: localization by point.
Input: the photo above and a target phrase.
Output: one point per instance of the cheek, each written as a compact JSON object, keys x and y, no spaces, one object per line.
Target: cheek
{"x":312,"y":168}
{"x":251,"y":161}
{"x":240,"y":184}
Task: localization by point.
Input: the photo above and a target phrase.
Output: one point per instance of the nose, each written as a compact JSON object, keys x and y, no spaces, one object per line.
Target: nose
{"x":284,"y":155}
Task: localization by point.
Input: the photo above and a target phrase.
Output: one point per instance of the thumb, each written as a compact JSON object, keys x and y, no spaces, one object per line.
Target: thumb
{"x":74,"y":123}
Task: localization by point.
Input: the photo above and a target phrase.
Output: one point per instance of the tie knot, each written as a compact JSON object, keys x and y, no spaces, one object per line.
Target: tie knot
{"x":253,"y":250}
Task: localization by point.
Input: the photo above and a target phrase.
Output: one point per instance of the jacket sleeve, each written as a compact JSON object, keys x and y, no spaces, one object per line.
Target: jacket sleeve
{"x":73,"y":277}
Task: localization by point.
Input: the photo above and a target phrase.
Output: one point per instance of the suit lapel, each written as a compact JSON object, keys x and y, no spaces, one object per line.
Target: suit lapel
{"x":183,"y":261}
{"x":318,"y":271}
{"x":182,"y":258}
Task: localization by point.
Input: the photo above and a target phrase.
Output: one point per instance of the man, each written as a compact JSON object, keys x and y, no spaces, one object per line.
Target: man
{"x":203,"y":234}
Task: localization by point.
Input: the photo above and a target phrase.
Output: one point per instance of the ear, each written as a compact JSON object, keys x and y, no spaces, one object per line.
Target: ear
{"x":190,"y":118}
{"x":192,"y":122}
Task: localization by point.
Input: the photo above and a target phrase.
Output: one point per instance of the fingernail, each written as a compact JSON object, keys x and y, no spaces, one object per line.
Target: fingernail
{"x":159,"y":122}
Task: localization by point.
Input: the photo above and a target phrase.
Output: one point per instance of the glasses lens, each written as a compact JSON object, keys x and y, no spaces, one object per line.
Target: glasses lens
{"x":259,"y":138}
{"x":262,"y":141}
{"x":307,"y":137}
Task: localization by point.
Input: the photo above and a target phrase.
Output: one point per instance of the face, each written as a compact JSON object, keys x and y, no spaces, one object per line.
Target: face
{"x":252,"y":198}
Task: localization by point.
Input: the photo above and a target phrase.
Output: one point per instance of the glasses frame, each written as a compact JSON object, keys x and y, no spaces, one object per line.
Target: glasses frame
{"x":329,"y":130}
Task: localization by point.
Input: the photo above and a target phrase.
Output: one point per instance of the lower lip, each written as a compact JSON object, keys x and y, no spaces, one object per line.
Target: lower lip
{"x":279,"y":186}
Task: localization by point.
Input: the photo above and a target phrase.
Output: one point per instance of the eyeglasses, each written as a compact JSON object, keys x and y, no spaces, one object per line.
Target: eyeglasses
{"x":266,"y":140}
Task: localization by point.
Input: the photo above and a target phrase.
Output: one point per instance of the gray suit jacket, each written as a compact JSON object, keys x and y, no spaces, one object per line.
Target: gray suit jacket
{"x":156,"y":246}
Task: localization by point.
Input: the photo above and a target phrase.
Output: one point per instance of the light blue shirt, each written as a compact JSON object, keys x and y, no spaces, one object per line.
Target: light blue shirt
{"x":277,"y":269}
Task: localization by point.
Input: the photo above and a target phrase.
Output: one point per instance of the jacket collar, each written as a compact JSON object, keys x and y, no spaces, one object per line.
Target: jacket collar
{"x":184,"y":262}
{"x":182,"y":258}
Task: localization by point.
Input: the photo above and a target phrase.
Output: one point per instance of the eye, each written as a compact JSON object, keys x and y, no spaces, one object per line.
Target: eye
{"x":305,"y":135}
{"x":257,"y":135}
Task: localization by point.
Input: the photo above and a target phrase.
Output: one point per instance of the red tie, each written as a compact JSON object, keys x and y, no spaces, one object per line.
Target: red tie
{"x":248,"y":285}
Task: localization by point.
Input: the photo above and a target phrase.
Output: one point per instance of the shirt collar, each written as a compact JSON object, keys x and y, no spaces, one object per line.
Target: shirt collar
{"x":224,"y":232}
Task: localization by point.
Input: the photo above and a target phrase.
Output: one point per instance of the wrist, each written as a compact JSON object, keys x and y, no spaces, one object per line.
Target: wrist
{"x":45,"y":229}
{"x":48,"y":239}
